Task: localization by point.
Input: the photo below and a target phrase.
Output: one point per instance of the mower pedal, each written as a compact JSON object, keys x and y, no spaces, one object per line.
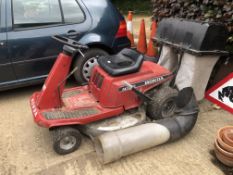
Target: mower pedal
{"x":56,"y":115}
{"x":71,"y":93}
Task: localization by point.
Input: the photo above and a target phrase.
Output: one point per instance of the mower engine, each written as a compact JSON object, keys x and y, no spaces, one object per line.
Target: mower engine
{"x":112,"y":81}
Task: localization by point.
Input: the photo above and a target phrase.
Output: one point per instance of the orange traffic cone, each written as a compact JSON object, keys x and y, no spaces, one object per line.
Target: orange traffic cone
{"x":130,"y":28}
{"x":151,"y":51}
{"x":142,"y":46}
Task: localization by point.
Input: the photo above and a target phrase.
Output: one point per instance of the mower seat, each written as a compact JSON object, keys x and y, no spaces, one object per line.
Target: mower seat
{"x":125,"y":62}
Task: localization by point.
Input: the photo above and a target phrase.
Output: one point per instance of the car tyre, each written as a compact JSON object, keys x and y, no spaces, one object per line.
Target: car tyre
{"x":85,"y":65}
{"x":66,"y":140}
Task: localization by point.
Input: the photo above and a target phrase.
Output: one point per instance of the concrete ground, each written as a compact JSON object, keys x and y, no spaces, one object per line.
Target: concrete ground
{"x":26,"y":148}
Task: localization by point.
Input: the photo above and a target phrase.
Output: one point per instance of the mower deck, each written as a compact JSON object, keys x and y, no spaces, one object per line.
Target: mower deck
{"x":79,"y":107}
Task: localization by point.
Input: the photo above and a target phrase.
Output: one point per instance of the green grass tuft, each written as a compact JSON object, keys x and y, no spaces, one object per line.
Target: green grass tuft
{"x":138,"y":6}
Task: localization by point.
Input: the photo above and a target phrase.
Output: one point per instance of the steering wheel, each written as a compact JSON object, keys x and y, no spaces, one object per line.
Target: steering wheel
{"x":69,"y":42}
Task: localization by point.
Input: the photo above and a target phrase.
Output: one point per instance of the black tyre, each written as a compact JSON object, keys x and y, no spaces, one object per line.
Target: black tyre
{"x":66,"y":140}
{"x":85,"y":65}
{"x":163,"y":104}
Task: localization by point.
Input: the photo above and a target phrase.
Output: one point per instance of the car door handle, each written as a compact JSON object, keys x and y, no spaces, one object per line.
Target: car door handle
{"x":2,"y":43}
{"x":72,"y":33}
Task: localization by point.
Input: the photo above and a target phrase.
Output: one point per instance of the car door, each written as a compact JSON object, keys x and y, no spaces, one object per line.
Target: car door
{"x":31,"y":24}
{"x":6,"y":71}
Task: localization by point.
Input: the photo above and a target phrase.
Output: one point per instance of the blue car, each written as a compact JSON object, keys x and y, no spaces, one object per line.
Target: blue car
{"x":27,"y":51}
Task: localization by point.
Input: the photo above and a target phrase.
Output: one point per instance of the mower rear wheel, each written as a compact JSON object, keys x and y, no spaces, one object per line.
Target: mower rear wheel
{"x":66,"y":140}
{"x":163,"y":104}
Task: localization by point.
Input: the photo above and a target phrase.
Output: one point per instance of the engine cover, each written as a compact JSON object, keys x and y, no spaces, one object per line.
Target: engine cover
{"x":111,"y":92}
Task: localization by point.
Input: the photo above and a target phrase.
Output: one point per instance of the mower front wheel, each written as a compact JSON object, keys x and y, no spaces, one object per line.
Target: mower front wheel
{"x":163,"y":104}
{"x":66,"y":140}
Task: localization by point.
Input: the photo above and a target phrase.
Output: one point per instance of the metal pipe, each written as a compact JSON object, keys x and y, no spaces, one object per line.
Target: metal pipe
{"x":115,"y":145}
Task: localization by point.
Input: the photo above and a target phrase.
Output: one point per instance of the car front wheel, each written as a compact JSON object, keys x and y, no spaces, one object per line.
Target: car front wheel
{"x":85,"y":65}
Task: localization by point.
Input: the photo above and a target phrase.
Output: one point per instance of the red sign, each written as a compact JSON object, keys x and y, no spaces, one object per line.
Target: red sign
{"x":222,"y":93}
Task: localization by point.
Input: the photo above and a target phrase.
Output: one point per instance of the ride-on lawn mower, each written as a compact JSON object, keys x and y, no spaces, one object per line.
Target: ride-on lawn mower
{"x":121,"y":83}
{"x":131,"y":104}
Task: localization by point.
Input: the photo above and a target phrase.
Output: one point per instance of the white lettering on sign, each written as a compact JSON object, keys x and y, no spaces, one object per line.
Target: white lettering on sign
{"x":34,"y":108}
{"x":153,"y":80}
{"x":142,"y":83}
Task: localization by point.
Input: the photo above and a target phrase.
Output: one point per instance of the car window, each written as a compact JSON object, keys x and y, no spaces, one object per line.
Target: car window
{"x":30,"y":13}
{"x":72,"y":11}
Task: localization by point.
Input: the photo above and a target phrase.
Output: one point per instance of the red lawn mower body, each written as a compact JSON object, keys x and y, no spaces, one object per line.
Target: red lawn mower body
{"x":105,"y":96}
